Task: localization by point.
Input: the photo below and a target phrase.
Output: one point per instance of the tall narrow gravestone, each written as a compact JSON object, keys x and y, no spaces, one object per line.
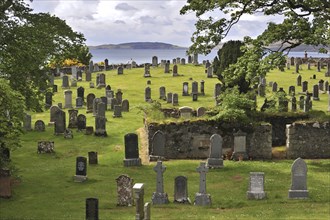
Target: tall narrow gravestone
{"x":239,"y":146}
{"x":124,"y":191}
{"x":202,"y":198}
{"x":81,"y":169}
{"x":181,"y":190}
{"x":298,"y":188}
{"x":215,"y":159}
{"x":256,"y":186}
{"x":92,"y":209}
{"x":159,"y":197}
{"x":59,"y":121}
{"x":139,"y":200}
{"x":158,"y":146}
{"x":131,"y":150}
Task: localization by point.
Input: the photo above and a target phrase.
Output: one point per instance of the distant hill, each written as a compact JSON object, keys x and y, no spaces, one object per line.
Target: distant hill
{"x":138,"y":45}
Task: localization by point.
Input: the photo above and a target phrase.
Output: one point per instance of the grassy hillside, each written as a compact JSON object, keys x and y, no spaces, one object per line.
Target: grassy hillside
{"x":45,"y":188}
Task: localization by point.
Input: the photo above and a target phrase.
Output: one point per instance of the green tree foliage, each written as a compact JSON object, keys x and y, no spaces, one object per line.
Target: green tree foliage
{"x":304,"y":21}
{"x":228,"y":54}
{"x":11,"y":114}
{"x":28,"y":41}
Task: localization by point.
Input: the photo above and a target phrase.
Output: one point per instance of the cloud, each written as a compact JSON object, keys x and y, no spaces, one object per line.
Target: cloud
{"x":124,"y":7}
{"x":119,"y":22}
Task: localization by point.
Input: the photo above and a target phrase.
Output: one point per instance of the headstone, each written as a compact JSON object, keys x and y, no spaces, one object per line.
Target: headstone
{"x":89,"y":130}
{"x":215,"y":158}
{"x":45,"y":147}
{"x":318,"y":66}
{"x":292,"y":90}
{"x":159,"y":197}
{"x":92,"y":157}
{"x":181,"y":190}
{"x":202,"y":198}
{"x":60,"y":123}
{"x":201,"y":111}
{"x":74,"y":72}
{"x":92,"y":209}
{"x":96,"y":102}
{"x":100,"y":126}
{"x":326,"y":87}
{"x":91,"y":85}
{"x":68,"y":134}
{"x":147,"y":207}
{"x":169,"y":98}
{"x":185,"y":89}
{"x":195,"y":59}
{"x":298,"y":189}
{"x":54,"y":88}
{"x":119,"y":96}
{"x":154,"y":61}
{"x":217,"y":90}
{"x":209,"y":72}
{"x":65,"y":82}
{"x":88,"y":76}
{"x":147,"y":94}
{"x":183,"y":61}
{"x":131,"y":150}
{"x":101,"y":109}
{"x":139,"y":200}
{"x":167,"y":67}
{"x":256,"y":186}
{"x":39,"y":125}
{"x":125,"y":191}
{"x":194,"y":96}
{"x":117,"y":109}
{"x":261,"y":90}
{"x":102,"y":82}
{"x":162,"y":93}
{"x":91,"y":66}
{"x":297,"y":67}
{"x":73,"y":82}
{"x":81,"y":169}
{"x":304,"y":86}
{"x":48,"y":100}
{"x":274,"y":87}
{"x":158,"y":146}
{"x":299,"y":80}
{"x":73,"y":114}
{"x":120,"y":70}
{"x":239,"y":146}
{"x":189,"y":59}
{"x":125,"y":105}
{"x":175,"y":70}
{"x":106,"y":64}
{"x":316,"y":92}
{"x":113,"y":103}
{"x":80,"y":92}
{"x":81,"y":122}
{"x":194,"y":89}
{"x":321,"y":85}
{"x":292,"y":61}
{"x":146,"y":70}
{"x":79,"y":102}
{"x":67,"y":99}
{"x":90,"y":98}
{"x":27,"y":122}
{"x":293,"y":104}
{"x":185,"y":112}
{"x":202,"y":87}
{"x":175,"y":99}
{"x":301,"y":102}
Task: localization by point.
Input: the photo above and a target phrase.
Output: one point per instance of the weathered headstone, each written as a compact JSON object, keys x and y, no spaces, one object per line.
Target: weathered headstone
{"x":181,"y":190}
{"x":90,"y":98}
{"x":81,"y":169}
{"x":298,"y":189}
{"x":217,"y":89}
{"x":239,"y":146}
{"x":59,"y":122}
{"x":157,"y":146}
{"x":131,"y":150}
{"x":124,"y":191}
{"x":316,"y":92}
{"x":189,"y":59}
{"x":194,"y":89}
{"x":92,"y":209}
{"x":73,"y":114}
{"x":117,"y":109}
{"x":202,"y":198}
{"x":185,"y":89}
{"x":154,"y":61}
{"x":102,"y":82}
{"x":209,"y":72}
{"x":92,"y":157}
{"x":261,"y":90}
{"x":88,"y":76}
{"x":80,"y":92}
{"x":45,"y":147}
{"x":162,"y":93}
{"x":101,"y":107}
{"x":304,"y":86}
{"x":169,"y":97}
{"x":139,"y":200}
{"x":183,"y":61}
{"x":292,"y":90}
{"x":27,"y":122}
{"x":100,"y":126}
{"x":68,"y":134}
{"x":256,"y":186}
{"x":39,"y":125}
{"x":201,"y":111}
{"x":175,"y":70}
{"x":89,"y":130}
{"x":147,"y":94}
{"x":120,"y":70}
{"x":65,"y":82}
{"x":146,"y":70}
{"x":159,"y":197}
{"x":79,"y":102}
{"x":301,"y":102}
{"x":125,"y":105}
{"x":194,"y":97}
{"x":185,"y":112}
{"x":96,"y":102}
{"x":202,"y":87}
{"x":299,"y":78}
{"x":119,"y":96}
{"x":48,"y":100}
{"x":195,"y":59}
{"x":175,"y":99}
{"x":67,"y":99}
{"x":167,"y":67}
{"x":215,"y":158}
{"x":293,"y":104}
{"x":81,"y":122}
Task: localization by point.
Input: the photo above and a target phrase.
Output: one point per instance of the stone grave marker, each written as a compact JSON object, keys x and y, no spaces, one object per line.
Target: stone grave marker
{"x":39,"y":125}
{"x":91,"y":66}
{"x":194,"y":89}
{"x":68,"y":134}
{"x":167,"y":67}
{"x":119,"y":96}
{"x":139,"y":200}
{"x":74,"y":71}
{"x":304,"y":86}
{"x":181,"y":190}
{"x":175,"y":70}
{"x":209,"y":72}
{"x":195,"y":59}
{"x":201,"y":111}
{"x":298,"y":189}
{"x":65,"y":82}
{"x":146,"y":70}
{"x":59,"y":122}
{"x":27,"y":123}
{"x":54,"y":88}
{"x":106,"y":64}
{"x":73,"y":118}
{"x":256,"y":186}
{"x":215,"y":158}
{"x":125,"y":105}
{"x":81,"y":122}
{"x":81,"y":92}
{"x":293,"y":104}
{"x":96,"y":102}
{"x":189,"y":59}
{"x":100,"y":126}
{"x":48,"y":100}
{"x":185,"y":89}
{"x":261,"y":90}
{"x":299,"y":78}
{"x":202,"y":87}
{"x":131,"y":150}
{"x":125,"y":191}
{"x":79,"y":102}
{"x":169,"y":97}
{"x":101,"y":107}
{"x":194,"y":97}
{"x":117,"y":109}
{"x":67,"y":99}
{"x":81,"y":169}
{"x":89,"y":105}
{"x":92,"y":209}
{"x":183,"y":61}
{"x":292,"y":90}
{"x":301,"y":102}
{"x":102,"y":82}
{"x":175,"y":99}
{"x":45,"y":147}
{"x":147,"y":94}
{"x":321,"y":85}
{"x":92,"y":157}
{"x":326,"y":87}
{"x":162,"y":93}
{"x":239,"y":146}
{"x":120,"y":70}
{"x":73,"y":82}
{"x":88,"y":76}
{"x":202,"y":198}
{"x":185,"y":112}
{"x":154,"y":61}
{"x":217,"y":89}
{"x":159,"y":197}
{"x":89,"y":130}
{"x":158,"y":146}
{"x":316,"y":93}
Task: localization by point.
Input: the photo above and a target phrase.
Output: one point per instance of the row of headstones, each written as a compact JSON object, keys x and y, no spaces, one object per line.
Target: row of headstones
{"x":125,"y":188}
{"x":297,"y":62}
{"x":191,"y":59}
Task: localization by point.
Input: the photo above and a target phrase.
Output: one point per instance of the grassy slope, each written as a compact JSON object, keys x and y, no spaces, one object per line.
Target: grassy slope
{"x":47,"y":191}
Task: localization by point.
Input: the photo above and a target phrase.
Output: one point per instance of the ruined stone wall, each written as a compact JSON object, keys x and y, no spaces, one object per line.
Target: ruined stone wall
{"x":308,"y":140}
{"x":191,"y":140}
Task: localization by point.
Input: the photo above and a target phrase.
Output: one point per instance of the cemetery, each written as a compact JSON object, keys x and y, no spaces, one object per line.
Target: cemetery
{"x":142,"y":144}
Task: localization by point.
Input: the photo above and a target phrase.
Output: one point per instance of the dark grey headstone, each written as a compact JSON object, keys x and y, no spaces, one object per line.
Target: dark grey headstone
{"x":73,"y":114}
{"x":181,"y":190}
{"x":215,"y":159}
{"x":92,"y":209}
{"x":131,"y":150}
{"x":60,"y":123}
{"x":92,"y":157}
{"x":81,"y":122}
{"x":81,"y":169}
{"x":39,"y":125}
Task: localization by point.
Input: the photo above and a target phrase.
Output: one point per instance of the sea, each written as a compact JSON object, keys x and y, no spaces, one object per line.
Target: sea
{"x":140,"y":56}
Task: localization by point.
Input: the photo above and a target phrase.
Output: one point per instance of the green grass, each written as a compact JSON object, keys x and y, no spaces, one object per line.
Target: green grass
{"x":46,"y":189}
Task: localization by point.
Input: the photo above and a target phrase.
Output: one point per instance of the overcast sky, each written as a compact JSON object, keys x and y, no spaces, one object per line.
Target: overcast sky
{"x":113,"y":22}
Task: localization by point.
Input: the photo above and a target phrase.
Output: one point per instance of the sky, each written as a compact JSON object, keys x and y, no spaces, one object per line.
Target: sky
{"x":114,"y":22}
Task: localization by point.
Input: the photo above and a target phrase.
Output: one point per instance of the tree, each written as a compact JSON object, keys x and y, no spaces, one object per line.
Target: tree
{"x":28,"y":42}
{"x":11,"y":115}
{"x":228,"y":54}
{"x":304,"y":22}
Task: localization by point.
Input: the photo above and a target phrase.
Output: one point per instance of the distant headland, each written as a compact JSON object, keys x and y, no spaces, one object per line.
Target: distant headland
{"x":138,"y":45}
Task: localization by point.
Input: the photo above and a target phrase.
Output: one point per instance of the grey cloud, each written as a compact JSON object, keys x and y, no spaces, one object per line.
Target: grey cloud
{"x":155,"y":20}
{"x":124,"y":7}
{"x":120,"y":22}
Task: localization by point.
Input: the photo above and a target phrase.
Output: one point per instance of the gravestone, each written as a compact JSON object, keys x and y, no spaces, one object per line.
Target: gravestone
{"x":261,"y":90}
{"x":117,"y":109}
{"x":113,"y":103}
{"x":175,"y":99}
{"x":175,"y":70}
{"x":202,"y":87}
{"x":89,"y":104}
{"x":293,"y":104}
{"x":301,"y":102}
{"x":174,"y":61}
{"x":321,"y":85}
{"x":181,"y":190}
{"x":124,"y":191}
{"x":106,"y":64}
{"x":157,"y":146}
{"x":139,"y":200}
{"x":101,"y":109}
{"x":194,"y":88}
{"x":256,"y":186}
{"x":74,"y":72}
{"x":79,"y":102}
{"x":147,"y":94}
{"x":185,"y":112}
{"x":54,"y":88}
{"x":154,"y":61}
{"x":39,"y":125}
{"x":189,"y":59}
{"x":67,"y":99}
{"x":167,"y":67}
{"x":96,"y":102}
{"x":125,"y":105}
{"x":102,"y":82}
{"x":215,"y":158}
{"x":183,"y":61}
{"x":73,"y":120}
{"x":202,"y":198}
{"x":209,"y":72}
{"x":316,"y":92}
{"x":131,"y":150}
{"x":159,"y":197}
{"x":73,"y":82}
{"x":92,"y":209}
{"x":146,"y":70}
{"x":91,"y":66}
{"x":65,"y":82}
{"x":274,"y":87}
{"x":298,"y":189}
{"x":194,"y":96}
{"x":81,"y":122}
{"x":304,"y":86}
{"x":292,"y":90}
{"x":92,"y":157}
{"x":147,"y":207}
{"x":195,"y":59}
{"x":299,"y":78}
{"x":59,"y":122}
{"x":91,"y":85}
{"x":169,"y":97}
{"x":239,"y":146}
{"x":326,"y":87}
{"x":119,"y":96}
{"x":96,"y":67}
{"x":27,"y":123}
{"x":185,"y":89}
{"x":100,"y":126}
{"x":201,"y":111}
{"x":120,"y":70}
{"x":81,"y":169}
{"x":89,"y":130}
{"x":48,"y":100}
{"x":80,"y":92}
{"x":45,"y":147}
{"x":217,"y":90}
{"x":88,"y":76}
{"x":68,"y":134}
{"x":162,"y":93}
